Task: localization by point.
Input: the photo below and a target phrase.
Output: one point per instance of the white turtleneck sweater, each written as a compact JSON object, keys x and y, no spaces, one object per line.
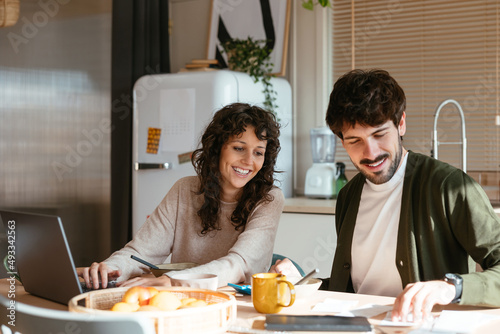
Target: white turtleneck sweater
{"x":374,"y":242}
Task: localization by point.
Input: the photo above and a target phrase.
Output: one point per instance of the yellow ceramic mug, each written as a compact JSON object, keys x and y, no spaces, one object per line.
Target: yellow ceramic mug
{"x":271,"y":291}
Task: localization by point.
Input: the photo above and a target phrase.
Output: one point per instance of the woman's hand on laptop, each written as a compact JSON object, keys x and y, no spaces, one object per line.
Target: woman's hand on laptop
{"x":97,"y":275}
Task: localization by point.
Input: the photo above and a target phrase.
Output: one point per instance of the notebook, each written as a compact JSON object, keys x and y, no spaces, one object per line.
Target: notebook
{"x":42,"y":255}
{"x":317,"y":323}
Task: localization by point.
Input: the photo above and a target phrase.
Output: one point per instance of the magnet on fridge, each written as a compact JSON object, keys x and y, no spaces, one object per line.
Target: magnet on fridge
{"x":154,"y":135}
{"x":185,"y":157}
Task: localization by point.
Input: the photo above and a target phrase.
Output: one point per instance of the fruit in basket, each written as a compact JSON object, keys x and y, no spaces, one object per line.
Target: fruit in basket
{"x":186,"y":301}
{"x":139,"y":295}
{"x":195,"y":303}
{"x":165,"y":300}
{"x":152,"y":290}
{"x":125,"y":307}
{"x":139,"y":298}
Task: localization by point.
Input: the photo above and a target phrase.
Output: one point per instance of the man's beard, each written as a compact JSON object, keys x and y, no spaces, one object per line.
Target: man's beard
{"x":379,"y":177}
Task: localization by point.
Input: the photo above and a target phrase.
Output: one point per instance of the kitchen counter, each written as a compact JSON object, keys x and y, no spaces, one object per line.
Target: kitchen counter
{"x":309,"y":205}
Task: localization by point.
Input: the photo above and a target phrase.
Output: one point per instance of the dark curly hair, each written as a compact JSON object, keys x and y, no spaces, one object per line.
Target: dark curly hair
{"x":233,"y":120}
{"x":365,"y":97}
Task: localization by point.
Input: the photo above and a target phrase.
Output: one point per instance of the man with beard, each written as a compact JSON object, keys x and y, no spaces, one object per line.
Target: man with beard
{"x":408,"y":226}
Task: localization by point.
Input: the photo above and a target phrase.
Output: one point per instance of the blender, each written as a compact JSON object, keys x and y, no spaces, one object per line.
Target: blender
{"x":321,"y":176}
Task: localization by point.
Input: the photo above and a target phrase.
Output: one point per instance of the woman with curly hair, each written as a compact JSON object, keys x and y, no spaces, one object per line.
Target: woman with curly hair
{"x":224,"y":219}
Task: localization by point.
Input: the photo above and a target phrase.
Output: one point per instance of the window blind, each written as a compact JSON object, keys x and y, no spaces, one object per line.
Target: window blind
{"x":436,"y":50}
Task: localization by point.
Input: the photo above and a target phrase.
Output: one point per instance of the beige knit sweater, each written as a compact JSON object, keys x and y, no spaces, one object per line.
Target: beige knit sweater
{"x":174,"y":229}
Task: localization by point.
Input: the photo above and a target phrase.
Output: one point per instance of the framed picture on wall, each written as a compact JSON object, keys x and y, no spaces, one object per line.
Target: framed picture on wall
{"x":267,"y":20}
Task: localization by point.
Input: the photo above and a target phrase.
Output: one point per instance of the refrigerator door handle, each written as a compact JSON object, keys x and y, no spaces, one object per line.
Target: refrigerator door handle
{"x":147,"y":165}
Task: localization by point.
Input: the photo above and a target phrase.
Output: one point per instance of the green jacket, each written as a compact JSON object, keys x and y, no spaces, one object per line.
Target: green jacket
{"x":446,"y":225}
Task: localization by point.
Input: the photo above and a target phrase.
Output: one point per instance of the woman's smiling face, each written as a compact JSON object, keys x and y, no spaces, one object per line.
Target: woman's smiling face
{"x":241,"y":158}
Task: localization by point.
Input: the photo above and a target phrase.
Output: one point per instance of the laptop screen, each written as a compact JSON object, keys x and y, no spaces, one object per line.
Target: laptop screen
{"x":42,"y":255}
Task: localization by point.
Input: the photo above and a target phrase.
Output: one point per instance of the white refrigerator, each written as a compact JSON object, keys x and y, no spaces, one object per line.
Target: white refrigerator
{"x":170,"y":113}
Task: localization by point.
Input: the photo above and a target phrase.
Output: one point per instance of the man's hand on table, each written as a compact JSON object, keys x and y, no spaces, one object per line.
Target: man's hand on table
{"x":419,"y":299}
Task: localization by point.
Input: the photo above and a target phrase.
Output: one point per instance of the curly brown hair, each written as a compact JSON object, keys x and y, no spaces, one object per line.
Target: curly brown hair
{"x":232,"y":120}
{"x":365,"y":97}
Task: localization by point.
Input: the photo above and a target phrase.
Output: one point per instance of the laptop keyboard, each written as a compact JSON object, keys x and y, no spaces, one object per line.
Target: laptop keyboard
{"x":111,"y":284}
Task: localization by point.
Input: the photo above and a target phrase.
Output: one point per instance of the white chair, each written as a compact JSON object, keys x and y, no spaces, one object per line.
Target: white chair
{"x":31,"y":319}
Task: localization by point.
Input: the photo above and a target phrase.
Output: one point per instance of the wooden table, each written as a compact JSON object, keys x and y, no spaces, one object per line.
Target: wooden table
{"x":250,"y":319}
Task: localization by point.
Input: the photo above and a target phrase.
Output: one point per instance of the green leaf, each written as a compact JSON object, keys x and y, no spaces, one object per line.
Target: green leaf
{"x":324,"y":3}
{"x":254,"y":58}
{"x":308,"y":4}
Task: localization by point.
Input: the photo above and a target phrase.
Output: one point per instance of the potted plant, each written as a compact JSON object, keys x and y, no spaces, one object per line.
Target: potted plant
{"x":254,"y":58}
{"x":309,"y":4}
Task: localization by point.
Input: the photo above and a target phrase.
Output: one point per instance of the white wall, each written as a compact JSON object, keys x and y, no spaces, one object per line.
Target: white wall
{"x":309,"y":80}
{"x":189,"y":31}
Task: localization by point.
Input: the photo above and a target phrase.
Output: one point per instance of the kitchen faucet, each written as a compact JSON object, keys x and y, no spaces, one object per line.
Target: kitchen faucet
{"x":436,"y":143}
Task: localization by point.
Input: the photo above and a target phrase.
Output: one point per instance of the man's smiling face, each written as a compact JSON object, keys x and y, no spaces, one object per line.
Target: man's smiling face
{"x":375,"y":151}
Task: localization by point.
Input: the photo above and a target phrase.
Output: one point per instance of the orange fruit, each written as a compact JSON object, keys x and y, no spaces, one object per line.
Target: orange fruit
{"x":137,"y":295}
{"x":125,"y":307}
{"x":152,"y":291}
{"x":197,"y":303}
{"x":187,"y":301}
{"x":165,"y":300}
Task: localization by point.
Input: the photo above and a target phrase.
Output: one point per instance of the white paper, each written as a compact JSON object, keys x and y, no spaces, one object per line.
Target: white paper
{"x":447,"y":322}
{"x":177,"y":119}
{"x":368,"y":311}
{"x":461,"y":321}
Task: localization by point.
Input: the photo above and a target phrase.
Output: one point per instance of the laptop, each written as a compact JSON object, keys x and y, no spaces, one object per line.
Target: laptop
{"x":42,"y":255}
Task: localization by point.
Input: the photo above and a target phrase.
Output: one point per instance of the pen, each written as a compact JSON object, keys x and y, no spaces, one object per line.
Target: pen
{"x":152,"y":266}
{"x":307,"y":277}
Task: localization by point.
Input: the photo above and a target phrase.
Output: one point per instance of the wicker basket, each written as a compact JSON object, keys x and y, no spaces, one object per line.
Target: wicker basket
{"x":213,"y":318}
